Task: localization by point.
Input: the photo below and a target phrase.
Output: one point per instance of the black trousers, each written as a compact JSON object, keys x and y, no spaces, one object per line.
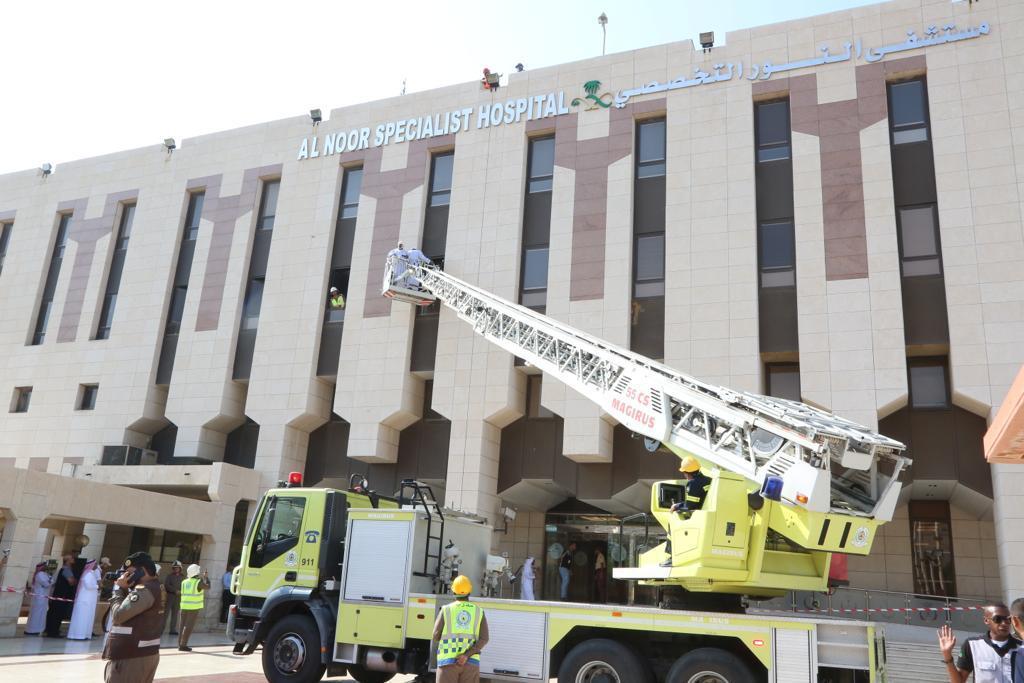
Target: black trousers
{"x":55,"y":614}
{"x":226,"y":600}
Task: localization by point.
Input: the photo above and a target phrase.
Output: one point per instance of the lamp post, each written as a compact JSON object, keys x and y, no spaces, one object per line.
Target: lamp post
{"x":603,"y":20}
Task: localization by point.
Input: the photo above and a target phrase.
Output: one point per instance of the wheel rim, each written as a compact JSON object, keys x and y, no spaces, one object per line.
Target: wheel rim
{"x":707,"y":677}
{"x":597,"y":672}
{"x":289,"y":653}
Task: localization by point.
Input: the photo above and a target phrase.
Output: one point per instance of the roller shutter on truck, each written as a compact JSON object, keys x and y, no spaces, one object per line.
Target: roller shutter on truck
{"x":517,"y":647}
{"x":379,"y":569}
{"x":792,"y":656}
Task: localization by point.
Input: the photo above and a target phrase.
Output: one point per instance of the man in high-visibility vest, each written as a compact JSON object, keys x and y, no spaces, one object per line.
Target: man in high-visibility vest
{"x":461,"y":633}
{"x":192,"y":602}
{"x":336,"y":300}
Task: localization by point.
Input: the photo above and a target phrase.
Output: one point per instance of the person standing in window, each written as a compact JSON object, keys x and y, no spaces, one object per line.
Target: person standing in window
{"x":565,"y":570}
{"x":600,"y":577}
{"x":336,"y":300}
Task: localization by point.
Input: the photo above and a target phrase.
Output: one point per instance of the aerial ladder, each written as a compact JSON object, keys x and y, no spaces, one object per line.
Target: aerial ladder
{"x":791,"y":484}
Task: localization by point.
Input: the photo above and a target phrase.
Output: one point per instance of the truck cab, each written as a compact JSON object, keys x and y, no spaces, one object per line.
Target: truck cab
{"x":290,"y":569}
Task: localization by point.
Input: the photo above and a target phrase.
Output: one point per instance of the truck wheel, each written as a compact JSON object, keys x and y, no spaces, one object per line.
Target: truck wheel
{"x":603,"y":661}
{"x":709,"y":665}
{"x":366,"y":676}
{"x":291,"y":652}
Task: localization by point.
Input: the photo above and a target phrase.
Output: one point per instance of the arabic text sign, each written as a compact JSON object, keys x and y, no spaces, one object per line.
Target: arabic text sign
{"x":767,"y":69}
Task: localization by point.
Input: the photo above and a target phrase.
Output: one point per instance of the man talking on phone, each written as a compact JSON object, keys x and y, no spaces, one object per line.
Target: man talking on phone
{"x":133,"y":646}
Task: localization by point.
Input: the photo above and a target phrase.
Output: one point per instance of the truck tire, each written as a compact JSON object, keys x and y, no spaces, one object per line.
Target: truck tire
{"x":362,"y":675}
{"x":603,"y":661}
{"x":291,"y":652}
{"x":709,"y":665}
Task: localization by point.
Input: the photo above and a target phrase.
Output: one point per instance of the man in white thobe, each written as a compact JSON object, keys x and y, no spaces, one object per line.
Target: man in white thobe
{"x":88,"y":594}
{"x":40,"y":601}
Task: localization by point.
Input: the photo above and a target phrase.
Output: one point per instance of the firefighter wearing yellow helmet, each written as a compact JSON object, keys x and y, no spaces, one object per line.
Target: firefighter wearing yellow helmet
{"x":697,"y":486}
{"x":461,"y":633}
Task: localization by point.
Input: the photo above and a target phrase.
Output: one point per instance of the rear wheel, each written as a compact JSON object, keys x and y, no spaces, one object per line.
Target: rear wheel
{"x":366,"y":676}
{"x":709,"y":665}
{"x":603,"y":661}
{"x":291,"y":652}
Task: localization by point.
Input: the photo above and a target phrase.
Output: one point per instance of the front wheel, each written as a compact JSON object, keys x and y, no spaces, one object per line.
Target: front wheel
{"x":602,"y":661}
{"x":291,"y":652}
{"x":362,"y":675}
{"x":709,"y":665}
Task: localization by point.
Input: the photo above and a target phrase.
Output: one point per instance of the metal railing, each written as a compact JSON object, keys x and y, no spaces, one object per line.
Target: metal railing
{"x":893,"y":607}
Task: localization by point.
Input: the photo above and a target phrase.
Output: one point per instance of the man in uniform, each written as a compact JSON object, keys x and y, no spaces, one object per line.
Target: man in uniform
{"x":133,"y":645}
{"x":172,"y":586}
{"x":697,"y":486}
{"x":192,"y":603}
{"x":461,"y":633}
{"x":987,"y":656}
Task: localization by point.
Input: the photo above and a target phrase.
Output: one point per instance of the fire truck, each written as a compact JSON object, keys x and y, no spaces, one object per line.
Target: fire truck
{"x":349,"y":581}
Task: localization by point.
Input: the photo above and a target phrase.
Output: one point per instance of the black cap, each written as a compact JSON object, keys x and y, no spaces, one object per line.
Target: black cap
{"x":140,"y":559}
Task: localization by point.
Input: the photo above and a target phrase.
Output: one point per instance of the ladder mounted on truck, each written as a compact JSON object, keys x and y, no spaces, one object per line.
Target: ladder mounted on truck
{"x":821,"y":484}
{"x":828,"y":464}
{"x":421,"y":496}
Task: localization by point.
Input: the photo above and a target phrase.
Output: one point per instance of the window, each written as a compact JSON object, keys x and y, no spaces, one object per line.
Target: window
{"x":268,"y":205}
{"x":87,"y":396}
{"x":908,"y":112}
{"x":195,"y":213}
{"x":929,"y":386}
{"x":124,"y":231}
{"x":783,"y":380}
{"x":533,"y":391}
{"x":777,"y":254}
{"x":931,"y":547}
{"x":650,"y":149}
{"x":919,"y":241}
{"x":772,"y":130}
{"x":441,"y":178}
{"x":541,"y":165}
{"x":177,"y":310}
{"x":350,"y":193}
{"x":649,"y":266}
{"x":5,"y":238}
{"x":339,"y":279}
{"x":46,"y":304}
{"x":278,"y":530}
{"x":22,"y":397}
{"x":535,"y":269}
{"x":253,"y":302}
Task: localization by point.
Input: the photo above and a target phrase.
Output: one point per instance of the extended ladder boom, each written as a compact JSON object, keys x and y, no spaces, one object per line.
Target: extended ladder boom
{"x":826,"y":463}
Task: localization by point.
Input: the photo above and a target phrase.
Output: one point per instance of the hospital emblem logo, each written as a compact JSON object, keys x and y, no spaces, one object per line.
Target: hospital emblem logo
{"x":860,"y":538}
{"x":591,"y":99}
{"x":462,"y":619}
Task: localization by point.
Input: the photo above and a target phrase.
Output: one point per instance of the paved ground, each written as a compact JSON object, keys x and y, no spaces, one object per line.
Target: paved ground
{"x":32,"y":658}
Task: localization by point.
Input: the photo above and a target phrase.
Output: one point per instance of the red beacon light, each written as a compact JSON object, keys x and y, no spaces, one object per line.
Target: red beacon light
{"x":295,"y":479}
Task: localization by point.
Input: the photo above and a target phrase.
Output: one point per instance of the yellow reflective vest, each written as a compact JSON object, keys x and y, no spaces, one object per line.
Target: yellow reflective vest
{"x":191,"y":596}
{"x":461,"y":630}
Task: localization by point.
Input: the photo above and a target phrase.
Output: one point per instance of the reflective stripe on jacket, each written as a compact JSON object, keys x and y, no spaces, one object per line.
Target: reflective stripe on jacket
{"x":191,"y":596}
{"x":461,"y":631}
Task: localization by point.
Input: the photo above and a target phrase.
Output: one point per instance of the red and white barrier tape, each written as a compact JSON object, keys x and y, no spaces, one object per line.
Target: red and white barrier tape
{"x":881,"y":610}
{"x":11,"y":589}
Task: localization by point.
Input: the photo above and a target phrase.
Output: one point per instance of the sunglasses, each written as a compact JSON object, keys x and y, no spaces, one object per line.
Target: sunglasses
{"x":1000,"y":619}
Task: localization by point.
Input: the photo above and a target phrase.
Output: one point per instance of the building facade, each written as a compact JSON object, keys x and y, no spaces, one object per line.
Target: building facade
{"x":827,"y":209}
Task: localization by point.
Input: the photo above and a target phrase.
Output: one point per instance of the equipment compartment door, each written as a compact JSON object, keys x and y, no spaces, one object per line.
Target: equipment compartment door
{"x":792,"y":656}
{"x":377,"y":567}
{"x":517,"y":648}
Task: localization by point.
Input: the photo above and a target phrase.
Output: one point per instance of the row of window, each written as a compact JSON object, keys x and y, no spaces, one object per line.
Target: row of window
{"x":86,"y":399}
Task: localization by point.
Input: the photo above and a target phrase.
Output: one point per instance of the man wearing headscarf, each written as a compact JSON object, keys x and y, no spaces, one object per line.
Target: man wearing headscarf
{"x":40,"y":601}
{"x":529,"y":574}
{"x":84,"y":612}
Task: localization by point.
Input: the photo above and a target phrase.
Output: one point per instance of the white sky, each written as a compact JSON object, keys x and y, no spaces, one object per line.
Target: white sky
{"x":83,"y":78}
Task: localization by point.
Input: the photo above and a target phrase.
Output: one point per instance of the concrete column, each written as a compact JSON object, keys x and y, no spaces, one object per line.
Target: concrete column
{"x":20,"y":537}
{"x":96,"y":533}
{"x":1008,"y":488}
{"x":214,"y":560}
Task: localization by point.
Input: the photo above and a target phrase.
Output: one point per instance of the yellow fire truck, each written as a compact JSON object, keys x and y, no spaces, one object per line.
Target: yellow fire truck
{"x":350,"y":581}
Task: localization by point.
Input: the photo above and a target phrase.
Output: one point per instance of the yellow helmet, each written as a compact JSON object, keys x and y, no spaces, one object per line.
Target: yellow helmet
{"x":462,"y":585}
{"x":689,"y":464}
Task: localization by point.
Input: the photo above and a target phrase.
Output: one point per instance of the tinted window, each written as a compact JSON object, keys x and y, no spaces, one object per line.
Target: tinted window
{"x":195,"y":212}
{"x":278,"y":530}
{"x":928,"y":385}
{"x":917,"y":229}
{"x":535,"y":268}
{"x":350,"y":193}
{"x":177,"y":310}
{"x":650,"y":258}
{"x":652,"y":141}
{"x":268,"y":205}
{"x":542,"y":164}
{"x":5,"y":238}
{"x":784,"y":381}
{"x":253,"y":300}
{"x":773,"y":123}
{"x":441,"y":179}
{"x":777,"y":245}
{"x":22,"y":397}
{"x":907,"y":101}
{"x":88,"y":401}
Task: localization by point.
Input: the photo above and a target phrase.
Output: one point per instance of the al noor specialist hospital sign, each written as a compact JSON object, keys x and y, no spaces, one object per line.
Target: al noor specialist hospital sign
{"x":553,"y":103}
